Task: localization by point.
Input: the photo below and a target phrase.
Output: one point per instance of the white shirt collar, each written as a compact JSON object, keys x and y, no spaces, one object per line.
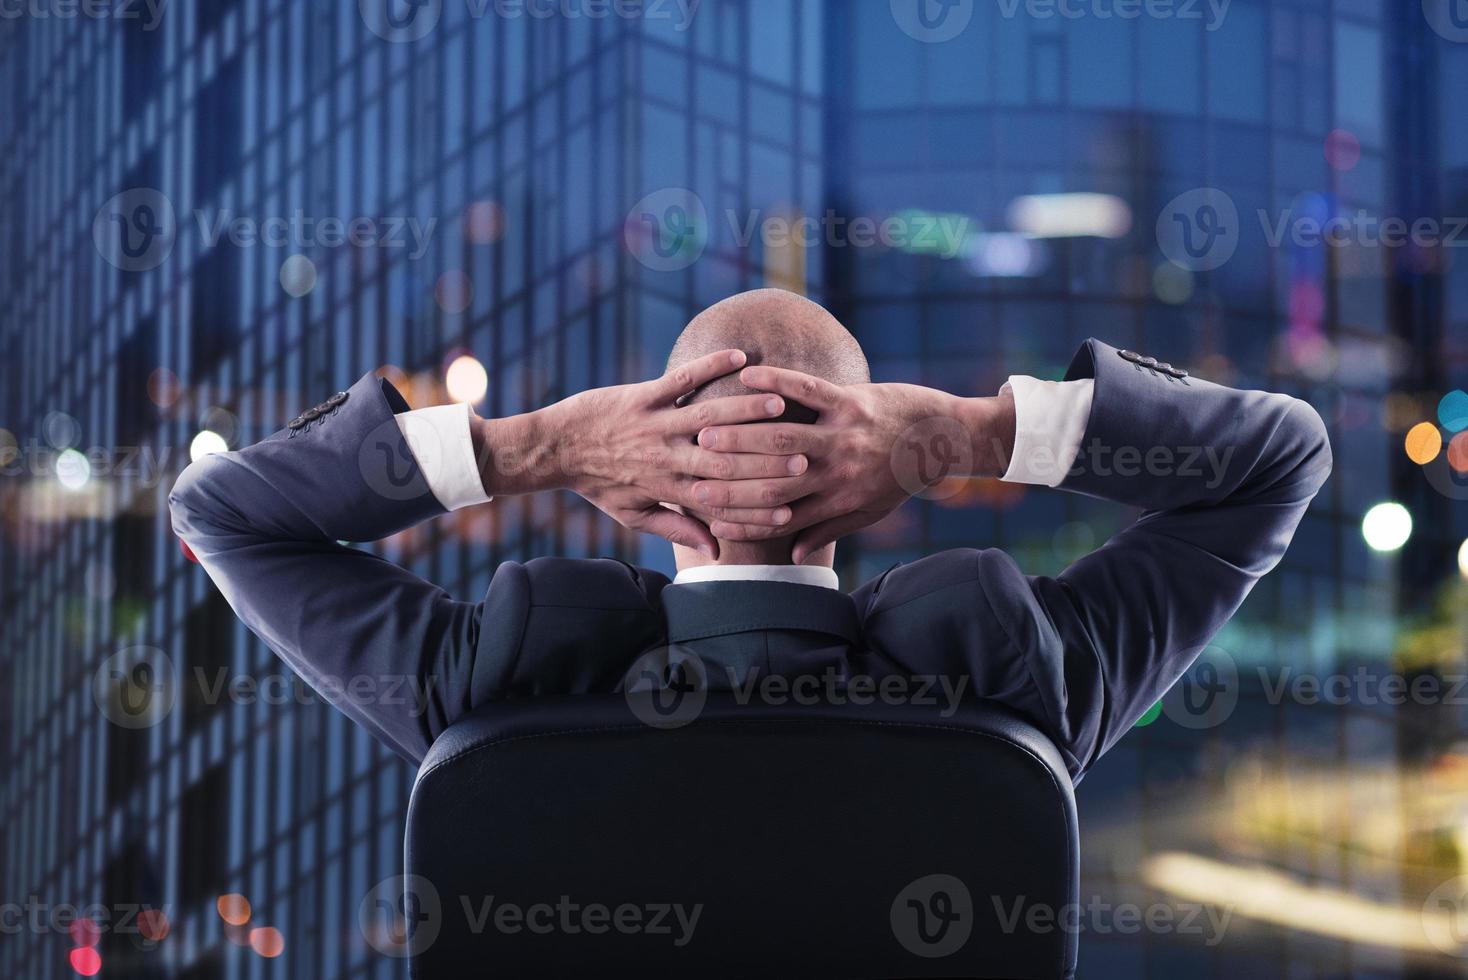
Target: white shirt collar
{"x":817,"y":575}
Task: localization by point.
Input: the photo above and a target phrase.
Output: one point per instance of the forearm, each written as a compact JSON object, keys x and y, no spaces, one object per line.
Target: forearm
{"x":524,"y":453}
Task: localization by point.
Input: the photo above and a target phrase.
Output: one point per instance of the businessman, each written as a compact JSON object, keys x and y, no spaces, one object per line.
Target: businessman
{"x":760,"y":447}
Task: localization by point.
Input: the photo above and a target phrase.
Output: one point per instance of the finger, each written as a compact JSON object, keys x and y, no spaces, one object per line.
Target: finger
{"x":810,"y":391}
{"x":817,"y":536}
{"x":686,"y":377}
{"x":731,"y":410}
{"x":728,"y":531}
{"x":778,"y":438}
{"x":677,"y":528}
{"x":748,"y":493}
{"x":741,"y":466}
{"x":763,"y":516}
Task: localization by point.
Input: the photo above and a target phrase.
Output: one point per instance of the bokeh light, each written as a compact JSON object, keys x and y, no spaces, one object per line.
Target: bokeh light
{"x":1342,"y":150}
{"x":454,"y":291}
{"x":73,"y":470}
{"x":207,"y":443}
{"x":86,"y":961}
{"x":1463,"y":559}
{"x":222,"y":421}
{"x":233,"y":908}
{"x":1452,"y":411}
{"x":484,"y":223}
{"x":61,"y":430}
{"x":1172,"y":284}
{"x":1079,"y":215}
{"x":84,"y":932}
{"x":164,"y":388}
{"x":466,"y":379}
{"x":1386,"y":527}
{"x":1458,"y":452}
{"x":153,"y":924}
{"x":267,"y":941}
{"x":1423,"y":443}
{"x":297,"y":276}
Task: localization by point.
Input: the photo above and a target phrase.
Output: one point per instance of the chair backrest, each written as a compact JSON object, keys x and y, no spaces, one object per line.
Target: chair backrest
{"x":557,"y":838}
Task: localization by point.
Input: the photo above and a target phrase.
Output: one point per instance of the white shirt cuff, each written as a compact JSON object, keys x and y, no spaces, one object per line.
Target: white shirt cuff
{"x":1049,"y":423}
{"x":439,"y":440}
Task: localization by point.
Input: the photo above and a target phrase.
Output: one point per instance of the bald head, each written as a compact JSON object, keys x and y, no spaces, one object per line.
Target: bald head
{"x":780,"y":329}
{"x":774,"y":327}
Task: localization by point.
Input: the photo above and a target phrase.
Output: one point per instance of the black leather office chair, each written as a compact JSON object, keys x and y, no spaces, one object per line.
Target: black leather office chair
{"x":853,"y":841}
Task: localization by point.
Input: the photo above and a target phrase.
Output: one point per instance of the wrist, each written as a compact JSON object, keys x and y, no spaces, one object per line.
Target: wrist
{"x":518,"y":454}
{"x":990,"y":424}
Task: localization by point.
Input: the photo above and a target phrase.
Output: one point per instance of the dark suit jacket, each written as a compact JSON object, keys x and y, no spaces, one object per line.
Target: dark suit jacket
{"x":1083,"y":654}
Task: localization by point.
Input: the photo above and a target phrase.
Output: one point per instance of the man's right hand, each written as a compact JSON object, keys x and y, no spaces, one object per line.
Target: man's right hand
{"x":871,"y":447}
{"x":631,"y":451}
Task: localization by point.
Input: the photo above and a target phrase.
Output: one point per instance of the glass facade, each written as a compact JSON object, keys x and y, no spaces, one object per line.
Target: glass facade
{"x":213,"y":218}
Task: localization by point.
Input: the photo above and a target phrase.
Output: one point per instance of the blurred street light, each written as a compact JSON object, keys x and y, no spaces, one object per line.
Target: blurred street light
{"x":466,"y":379}
{"x":207,"y":443}
{"x":73,"y":470}
{"x":1070,"y":216}
{"x":1386,"y":527}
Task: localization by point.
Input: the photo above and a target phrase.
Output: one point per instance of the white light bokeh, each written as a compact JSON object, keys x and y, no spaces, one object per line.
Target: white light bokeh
{"x":1463,"y":558}
{"x":1386,"y":527}
{"x":1070,"y":216}
{"x":297,"y":276}
{"x":466,"y":379}
{"x":73,"y":470}
{"x":207,"y":443}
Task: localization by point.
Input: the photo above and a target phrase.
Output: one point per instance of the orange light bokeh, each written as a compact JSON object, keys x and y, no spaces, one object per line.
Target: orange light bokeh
{"x":267,"y":941}
{"x":1423,"y":443}
{"x":233,"y":908}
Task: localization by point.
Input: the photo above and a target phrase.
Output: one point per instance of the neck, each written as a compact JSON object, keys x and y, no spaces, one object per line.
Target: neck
{"x":747,"y":553}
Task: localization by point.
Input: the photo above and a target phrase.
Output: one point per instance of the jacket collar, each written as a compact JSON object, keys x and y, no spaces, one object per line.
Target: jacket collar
{"x":704,"y":609}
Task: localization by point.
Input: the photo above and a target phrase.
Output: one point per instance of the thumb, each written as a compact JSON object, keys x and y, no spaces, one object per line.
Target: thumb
{"x":817,"y":536}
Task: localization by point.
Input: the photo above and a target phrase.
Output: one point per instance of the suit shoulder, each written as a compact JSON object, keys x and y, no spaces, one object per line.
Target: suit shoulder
{"x":592,"y":583}
{"x":932,"y":581}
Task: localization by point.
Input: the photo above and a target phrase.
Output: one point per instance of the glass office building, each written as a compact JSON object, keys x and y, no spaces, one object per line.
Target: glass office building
{"x":555,"y":196}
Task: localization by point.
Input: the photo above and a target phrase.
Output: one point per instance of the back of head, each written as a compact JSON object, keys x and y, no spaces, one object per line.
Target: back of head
{"x":780,"y":329}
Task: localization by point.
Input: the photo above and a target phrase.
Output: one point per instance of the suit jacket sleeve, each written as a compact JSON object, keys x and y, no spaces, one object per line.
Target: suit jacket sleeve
{"x":265,"y":523}
{"x":1223,"y":477}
